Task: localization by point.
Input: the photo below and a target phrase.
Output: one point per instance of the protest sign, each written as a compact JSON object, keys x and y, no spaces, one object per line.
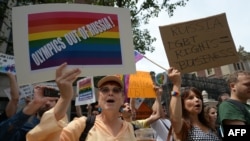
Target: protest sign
{"x":7,"y":63}
{"x":27,"y":90}
{"x":85,"y":91}
{"x":90,"y":37}
{"x":143,"y":112}
{"x":47,"y":84}
{"x":140,"y":85}
{"x":199,"y":44}
{"x":138,"y":102}
{"x":25,"y":93}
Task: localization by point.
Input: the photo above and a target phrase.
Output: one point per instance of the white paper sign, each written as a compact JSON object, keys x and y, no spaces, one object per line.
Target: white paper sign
{"x":85,"y":91}
{"x":88,"y":37}
{"x":7,"y":63}
{"x":27,"y":90}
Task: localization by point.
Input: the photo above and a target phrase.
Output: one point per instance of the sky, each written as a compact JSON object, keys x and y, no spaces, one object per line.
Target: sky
{"x":237,"y":17}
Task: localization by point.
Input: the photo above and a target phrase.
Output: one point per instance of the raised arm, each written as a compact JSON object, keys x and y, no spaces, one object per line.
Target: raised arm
{"x":12,"y":128}
{"x":175,"y":102}
{"x":11,"y":107}
{"x":37,"y":102}
{"x":78,"y":111}
{"x":157,"y":108}
{"x":64,"y":79}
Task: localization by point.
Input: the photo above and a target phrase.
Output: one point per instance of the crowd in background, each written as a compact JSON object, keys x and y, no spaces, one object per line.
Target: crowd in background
{"x":45,"y":118}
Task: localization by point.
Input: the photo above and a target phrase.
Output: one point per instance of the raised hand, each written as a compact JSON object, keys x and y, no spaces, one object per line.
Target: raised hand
{"x":174,"y":75}
{"x":64,"y":80}
{"x":37,"y":102}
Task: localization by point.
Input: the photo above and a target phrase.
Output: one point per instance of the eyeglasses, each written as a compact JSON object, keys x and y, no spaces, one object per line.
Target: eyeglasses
{"x":106,"y":90}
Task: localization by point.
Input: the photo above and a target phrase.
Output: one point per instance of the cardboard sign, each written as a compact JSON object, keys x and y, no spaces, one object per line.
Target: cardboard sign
{"x":96,"y":39}
{"x":199,"y":44}
{"x":141,"y":85}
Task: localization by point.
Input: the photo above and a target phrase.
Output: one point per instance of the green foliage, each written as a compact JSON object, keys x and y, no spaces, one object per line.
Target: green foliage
{"x":243,"y":54}
{"x":141,"y":13}
{"x":170,"y":7}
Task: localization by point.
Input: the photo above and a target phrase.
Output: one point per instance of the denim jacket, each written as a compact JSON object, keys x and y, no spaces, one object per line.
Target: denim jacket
{"x":16,"y":127}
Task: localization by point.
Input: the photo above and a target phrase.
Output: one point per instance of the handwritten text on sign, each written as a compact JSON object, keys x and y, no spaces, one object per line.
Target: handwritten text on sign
{"x":199,"y":44}
{"x":141,"y":85}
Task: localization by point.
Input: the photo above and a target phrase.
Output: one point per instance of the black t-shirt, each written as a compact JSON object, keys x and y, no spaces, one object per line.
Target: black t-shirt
{"x":3,"y":116}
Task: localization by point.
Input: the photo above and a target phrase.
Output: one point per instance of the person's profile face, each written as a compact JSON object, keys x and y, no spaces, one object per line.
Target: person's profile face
{"x":212,"y":113}
{"x":242,"y":86}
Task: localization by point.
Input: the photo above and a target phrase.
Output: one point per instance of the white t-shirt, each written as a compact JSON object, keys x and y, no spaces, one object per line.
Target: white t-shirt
{"x":161,"y":129}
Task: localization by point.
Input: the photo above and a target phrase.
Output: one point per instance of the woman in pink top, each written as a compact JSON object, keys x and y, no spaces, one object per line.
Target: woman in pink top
{"x":108,"y":126}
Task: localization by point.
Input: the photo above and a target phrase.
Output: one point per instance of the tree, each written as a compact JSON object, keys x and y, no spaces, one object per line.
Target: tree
{"x":243,"y":55}
{"x":141,"y":12}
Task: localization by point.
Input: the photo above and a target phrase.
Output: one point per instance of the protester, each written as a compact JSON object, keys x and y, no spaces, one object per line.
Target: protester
{"x":16,"y":127}
{"x":11,"y":107}
{"x":186,"y":112}
{"x":222,"y":97}
{"x":229,"y":113}
{"x":162,"y":125}
{"x":210,"y":114}
{"x":128,"y":112}
{"x":107,"y":126}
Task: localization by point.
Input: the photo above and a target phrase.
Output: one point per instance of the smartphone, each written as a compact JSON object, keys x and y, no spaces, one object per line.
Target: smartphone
{"x":49,"y":92}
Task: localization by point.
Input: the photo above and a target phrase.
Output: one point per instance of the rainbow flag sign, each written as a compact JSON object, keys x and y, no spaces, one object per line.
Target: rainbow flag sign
{"x":84,"y":36}
{"x":85,"y":91}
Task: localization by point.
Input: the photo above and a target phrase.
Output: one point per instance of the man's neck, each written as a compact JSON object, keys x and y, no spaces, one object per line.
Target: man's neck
{"x":242,"y":100}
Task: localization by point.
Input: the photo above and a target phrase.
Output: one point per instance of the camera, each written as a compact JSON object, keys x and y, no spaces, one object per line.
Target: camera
{"x":49,"y":92}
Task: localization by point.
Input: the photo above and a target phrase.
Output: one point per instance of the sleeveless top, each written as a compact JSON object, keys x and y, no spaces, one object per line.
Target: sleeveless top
{"x":196,"y":134}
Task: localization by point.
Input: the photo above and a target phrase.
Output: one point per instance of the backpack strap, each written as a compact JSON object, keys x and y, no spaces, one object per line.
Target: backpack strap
{"x":89,"y":124}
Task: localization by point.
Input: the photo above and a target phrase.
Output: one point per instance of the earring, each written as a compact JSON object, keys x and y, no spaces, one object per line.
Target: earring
{"x":121,"y":109}
{"x":99,"y":109}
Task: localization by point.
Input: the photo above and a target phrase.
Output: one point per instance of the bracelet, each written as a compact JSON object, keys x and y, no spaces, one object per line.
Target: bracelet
{"x":174,"y":93}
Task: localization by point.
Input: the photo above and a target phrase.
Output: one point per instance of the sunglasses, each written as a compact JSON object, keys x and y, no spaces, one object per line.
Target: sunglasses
{"x":106,"y":90}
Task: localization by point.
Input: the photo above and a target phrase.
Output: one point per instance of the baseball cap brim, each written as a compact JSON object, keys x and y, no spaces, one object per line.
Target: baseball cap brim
{"x":109,"y":78}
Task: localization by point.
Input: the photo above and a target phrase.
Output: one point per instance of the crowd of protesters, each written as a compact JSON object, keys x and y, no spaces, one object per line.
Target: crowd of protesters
{"x":45,"y":118}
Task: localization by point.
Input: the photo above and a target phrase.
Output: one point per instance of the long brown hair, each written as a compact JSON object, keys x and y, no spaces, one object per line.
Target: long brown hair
{"x":187,"y":124}
{"x":206,"y":116}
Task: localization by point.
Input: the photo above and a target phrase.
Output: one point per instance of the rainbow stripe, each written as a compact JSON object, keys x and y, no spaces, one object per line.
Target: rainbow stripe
{"x":78,"y":38}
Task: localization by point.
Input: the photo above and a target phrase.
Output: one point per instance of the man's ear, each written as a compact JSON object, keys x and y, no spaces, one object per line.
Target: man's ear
{"x":232,"y":86}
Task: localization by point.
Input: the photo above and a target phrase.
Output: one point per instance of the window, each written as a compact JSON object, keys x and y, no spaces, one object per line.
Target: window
{"x":194,"y":74}
{"x":239,"y":66}
{"x":209,"y":72}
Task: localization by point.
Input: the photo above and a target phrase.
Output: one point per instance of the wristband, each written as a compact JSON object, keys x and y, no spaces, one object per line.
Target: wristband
{"x":174,"y":93}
